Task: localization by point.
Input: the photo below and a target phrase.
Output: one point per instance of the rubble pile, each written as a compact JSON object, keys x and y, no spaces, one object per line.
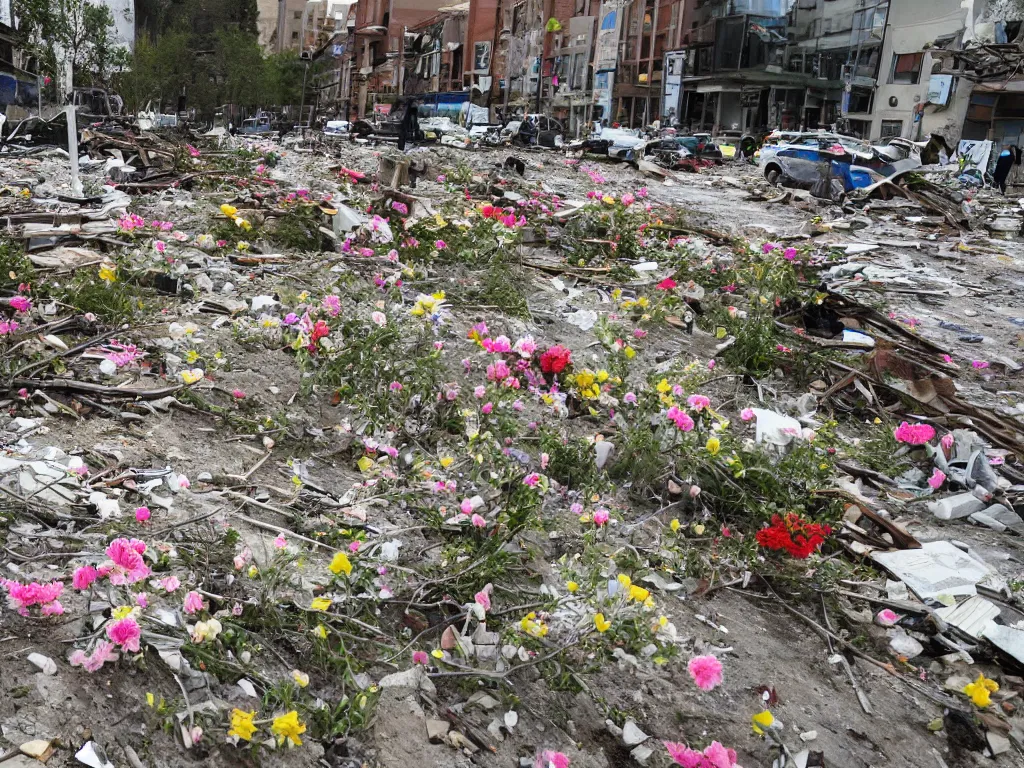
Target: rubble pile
{"x":320,"y":453}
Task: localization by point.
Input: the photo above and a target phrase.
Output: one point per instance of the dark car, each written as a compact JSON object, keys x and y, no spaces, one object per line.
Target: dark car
{"x":679,"y":151}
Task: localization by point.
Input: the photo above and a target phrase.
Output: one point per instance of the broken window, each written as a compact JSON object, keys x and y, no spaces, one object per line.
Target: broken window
{"x":891,"y":129}
{"x":906,"y":68}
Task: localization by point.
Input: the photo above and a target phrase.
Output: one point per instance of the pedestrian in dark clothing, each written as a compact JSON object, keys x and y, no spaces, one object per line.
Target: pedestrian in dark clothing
{"x":409,"y":126}
{"x":1007,"y":158}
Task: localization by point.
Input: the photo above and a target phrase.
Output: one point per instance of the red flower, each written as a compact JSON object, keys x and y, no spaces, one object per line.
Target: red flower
{"x":793,"y":534}
{"x":320,"y":330}
{"x":666,"y":285}
{"x":487,"y":210}
{"x":555,"y":359}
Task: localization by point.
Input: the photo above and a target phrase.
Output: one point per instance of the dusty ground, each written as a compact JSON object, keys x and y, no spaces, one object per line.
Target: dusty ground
{"x":975,"y":286}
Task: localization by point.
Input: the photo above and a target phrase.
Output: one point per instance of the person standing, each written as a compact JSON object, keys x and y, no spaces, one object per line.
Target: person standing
{"x":1007,"y":159}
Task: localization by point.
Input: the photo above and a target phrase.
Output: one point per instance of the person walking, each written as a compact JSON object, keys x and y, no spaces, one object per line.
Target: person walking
{"x":1007,"y":159}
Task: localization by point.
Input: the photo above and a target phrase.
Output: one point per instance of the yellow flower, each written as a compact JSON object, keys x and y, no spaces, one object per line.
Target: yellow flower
{"x":643,"y":302}
{"x":191,"y":356}
{"x":301,"y":678}
{"x":663,"y":621}
{"x":243,"y":223}
{"x":192,"y":375}
{"x":602,"y":376}
{"x":713,"y":445}
{"x":625,"y":581}
{"x":663,"y":386}
{"x":762,"y":721}
{"x":206,"y":630}
{"x":108,"y":273}
{"x":980,"y":690}
{"x":340,"y":564}
{"x":638,"y":593}
{"x":437,"y":653}
{"x":601,"y":623}
{"x":572,"y":586}
{"x":698,"y":528}
{"x":608,"y":200}
{"x":122,"y":611}
{"x":365,"y":463}
{"x":320,"y":603}
{"x":228,"y":210}
{"x":320,"y":631}
{"x":242,"y":725}
{"x":288,"y":728}
{"x":253,"y":571}
{"x":629,"y":352}
{"x":674,"y":525}
{"x":242,"y":246}
{"x":150,"y":699}
{"x":446,"y":461}
{"x":533,"y":626}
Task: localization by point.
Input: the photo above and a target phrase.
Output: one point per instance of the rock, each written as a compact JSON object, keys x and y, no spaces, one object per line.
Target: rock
{"x":997,"y":743}
{"x":483,"y":700}
{"x":45,"y":664}
{"x":40,"y":749}
{"x":808,"y":736}
{"x":955,"y":507}
{"x":261,"y":303}
{"x":437,"y":730}
{"x":903,"y":644}
{"x":641,"y":754}
{"x":632,"y":735}
{"x":613,"y":729}
{"x":511,"y":719}
{"x":414,"y":678}
{"x":604,"y":450}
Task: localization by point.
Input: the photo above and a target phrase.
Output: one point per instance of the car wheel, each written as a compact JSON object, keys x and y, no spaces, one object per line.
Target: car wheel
{"x":773,"y":175}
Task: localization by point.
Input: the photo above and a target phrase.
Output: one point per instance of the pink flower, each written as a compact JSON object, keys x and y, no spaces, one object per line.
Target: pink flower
{"x":713,"y":756}
{"x":600,"y":517}
{"x":551,"y":759}
{"x":400,"y":208}
{"x":24,"y":596}
{"x":184,"y":482}
{"x":332,"y":303}
{"x":479,"y":392}
{"x":630,"y":398}
{"x":20,"y":304}
{"x":193,"y":603}
{"x":125,"y":633}
{"x":718,"y":756}
{"x":914,"y":434}
{"x":483,"y":599}
{"x":887,"y":617}
{"x":747,"y":414}
{"x":628,"y":199}
{"x":420,"y":657}
{"x":531,"y":479}
{"x":101,"y":654}
{"x":440,"y":245}
{"x":478,"y":521}
{"x":947,"y":441}
{"x":379,"y":318}
{"x":681,"y":419}
{"x":698,"y":402}
{"x":937,"y":479}
{"x":706,"y":672}
{"x":159,"y":246}
{"x":789,"y":254}
{"x":280,"y":542}
{"x":947,"y":359}
{"x":238,"y":394}
{"x":126,"y":565}
{"x":694,"y":491}
{"x":487,"y":408}
{"x":979,"y":364}
{"x":666,"y":285}
{"x":83,"y":577}
{"x":768,"y":247}
{"x":353,"y":547}
{"x":170,"y":584}
{"x":442,"y":179}
{"x":466,"y":506}
{"x":142,"y":600}
{"x":142,"y":514}
{"x":395,"y":386}
{"x":290,"y":319}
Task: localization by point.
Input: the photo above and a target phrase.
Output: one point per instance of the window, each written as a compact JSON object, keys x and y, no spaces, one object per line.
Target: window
{"x":297,"y":15}
{"x":906,"y":68}
{"x":295,"y":36}
{"x":860,"y":99}
{"x":891,"y":128}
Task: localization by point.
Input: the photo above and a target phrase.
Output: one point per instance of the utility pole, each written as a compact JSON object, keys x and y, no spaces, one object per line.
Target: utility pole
{"x":280,"y":24}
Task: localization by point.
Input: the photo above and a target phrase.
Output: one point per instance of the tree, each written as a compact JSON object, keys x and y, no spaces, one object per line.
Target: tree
{"x":67,"y":37}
